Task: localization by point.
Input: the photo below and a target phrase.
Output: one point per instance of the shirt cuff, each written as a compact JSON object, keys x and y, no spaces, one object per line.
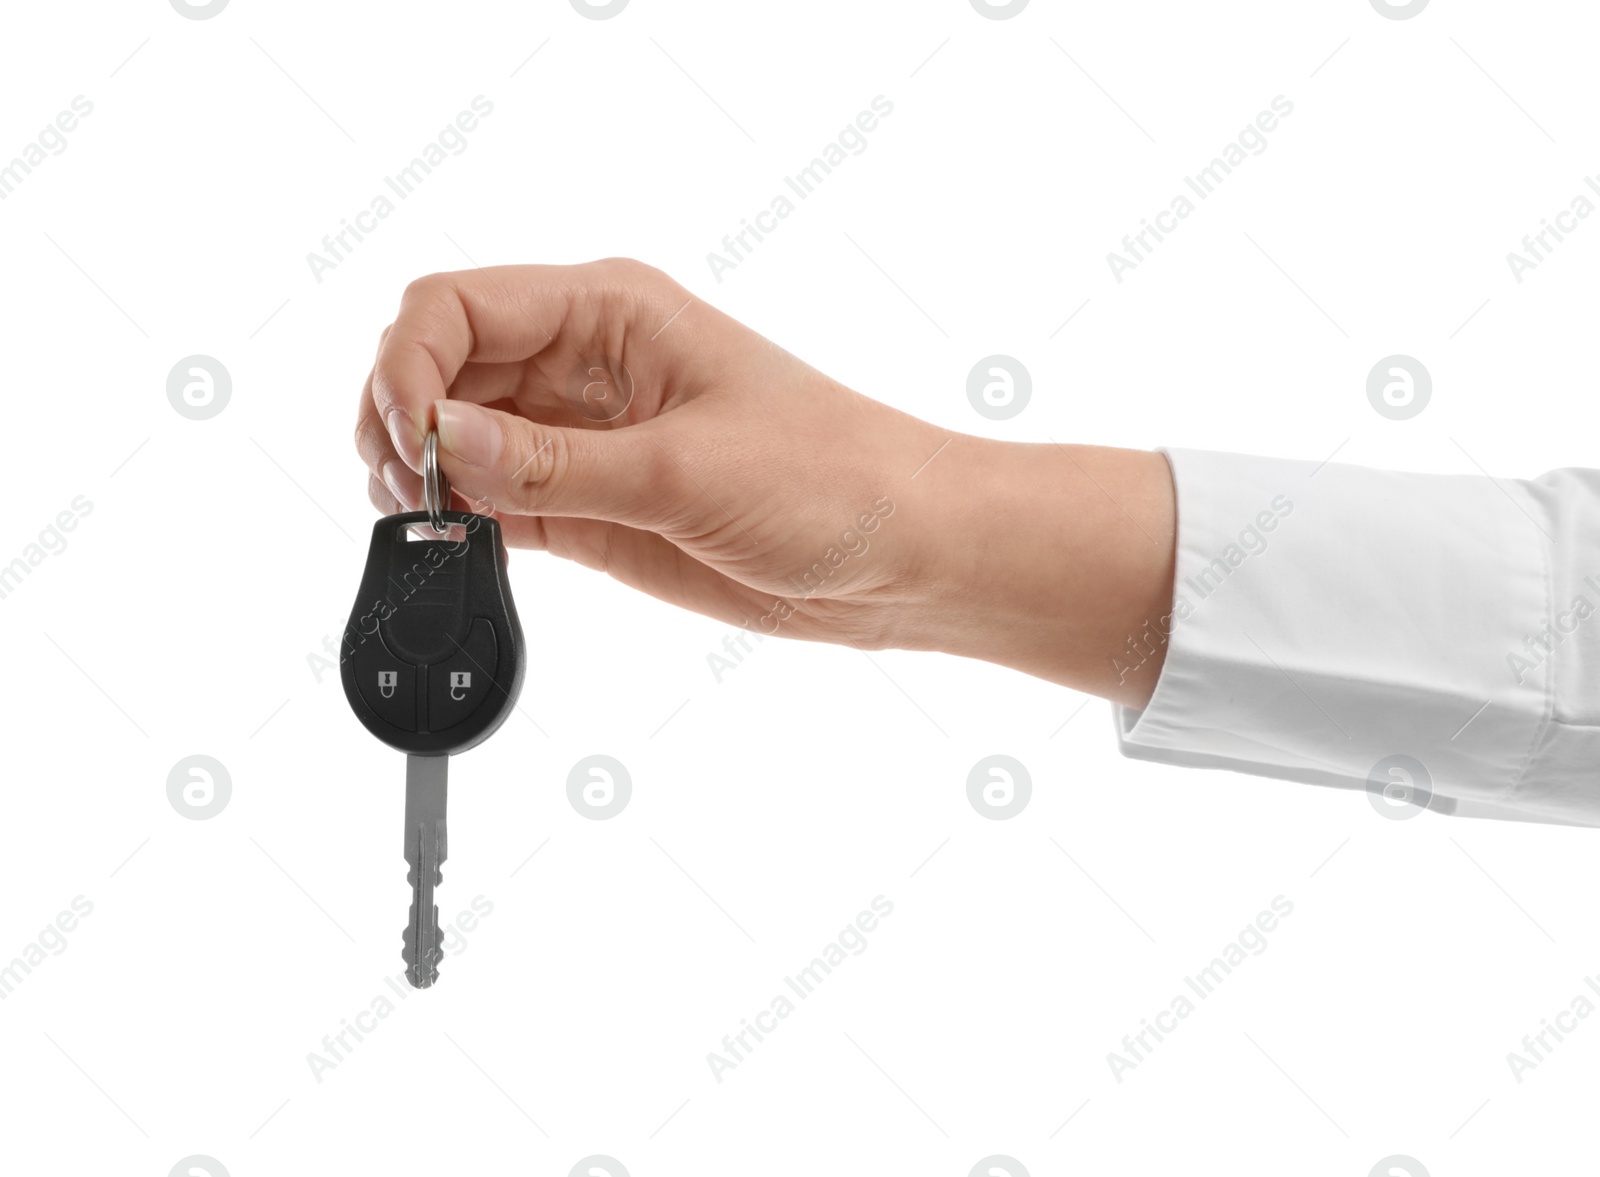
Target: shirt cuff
{"x":1333,"y":624}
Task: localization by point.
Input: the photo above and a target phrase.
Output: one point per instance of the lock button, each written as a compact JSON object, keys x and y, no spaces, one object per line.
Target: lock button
{"x":387,"y":685}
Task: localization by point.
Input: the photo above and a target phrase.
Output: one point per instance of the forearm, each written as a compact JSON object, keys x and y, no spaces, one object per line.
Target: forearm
{"x":1058,"y":562}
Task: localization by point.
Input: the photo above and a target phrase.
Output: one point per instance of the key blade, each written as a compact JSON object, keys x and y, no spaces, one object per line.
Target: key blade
{"x":426,"y":785}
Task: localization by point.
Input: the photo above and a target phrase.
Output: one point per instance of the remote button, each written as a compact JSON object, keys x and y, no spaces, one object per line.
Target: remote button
{"x":459,"y":683}
{"x":387,"y":685}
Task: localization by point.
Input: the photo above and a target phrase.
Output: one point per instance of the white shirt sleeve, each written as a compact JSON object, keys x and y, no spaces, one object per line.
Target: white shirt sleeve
{"x":1360,"y":628}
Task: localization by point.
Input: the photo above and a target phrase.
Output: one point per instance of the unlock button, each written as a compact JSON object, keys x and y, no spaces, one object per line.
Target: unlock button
{"x":458,"y":683}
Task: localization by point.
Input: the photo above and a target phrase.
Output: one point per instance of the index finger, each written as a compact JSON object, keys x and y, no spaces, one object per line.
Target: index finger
{"x":498,"y":315}
{"x":444,"y":320}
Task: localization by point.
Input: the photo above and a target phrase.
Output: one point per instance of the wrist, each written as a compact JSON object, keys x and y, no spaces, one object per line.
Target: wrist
{"x":1053,"y":560}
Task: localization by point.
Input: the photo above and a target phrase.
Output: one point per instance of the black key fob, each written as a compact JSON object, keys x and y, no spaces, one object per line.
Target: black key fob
{"x":433,"y":659}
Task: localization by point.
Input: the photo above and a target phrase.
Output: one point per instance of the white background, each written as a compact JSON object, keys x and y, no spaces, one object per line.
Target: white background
{"x":768,"y":809}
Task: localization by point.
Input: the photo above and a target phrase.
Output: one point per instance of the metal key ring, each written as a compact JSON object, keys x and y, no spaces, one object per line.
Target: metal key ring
{"x":435,"y":486}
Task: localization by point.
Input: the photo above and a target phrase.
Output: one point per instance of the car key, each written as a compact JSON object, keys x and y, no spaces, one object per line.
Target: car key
{"x":432,"y":664}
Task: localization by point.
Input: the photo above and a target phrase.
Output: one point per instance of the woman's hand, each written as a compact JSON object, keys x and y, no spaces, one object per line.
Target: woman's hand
{"x":604,"y":414}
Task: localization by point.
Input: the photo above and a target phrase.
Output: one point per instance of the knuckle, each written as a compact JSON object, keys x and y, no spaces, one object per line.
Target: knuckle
{"x":630,"y":271}
{"x":423,"y":288}
{"x":378,"y":494}
{"x":616,"y":265}
{"x":660,"y":471}
{"x":659,"y":483}
{"x":372,"y":440}
{"x":636,"y":290}
{"x":430,"y":294}
{"x":543,"y":458}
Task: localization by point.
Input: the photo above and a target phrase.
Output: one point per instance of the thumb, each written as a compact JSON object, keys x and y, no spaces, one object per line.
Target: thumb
{"x":521,"y":468}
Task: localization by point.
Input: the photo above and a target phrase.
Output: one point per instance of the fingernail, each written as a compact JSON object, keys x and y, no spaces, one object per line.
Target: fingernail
{"x":399,"y":480}
{"x":468,"y":433}
{"x":407,"y":441}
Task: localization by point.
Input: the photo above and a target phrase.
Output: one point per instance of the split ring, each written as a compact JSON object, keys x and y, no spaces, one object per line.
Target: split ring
{"x":435,"y":486}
